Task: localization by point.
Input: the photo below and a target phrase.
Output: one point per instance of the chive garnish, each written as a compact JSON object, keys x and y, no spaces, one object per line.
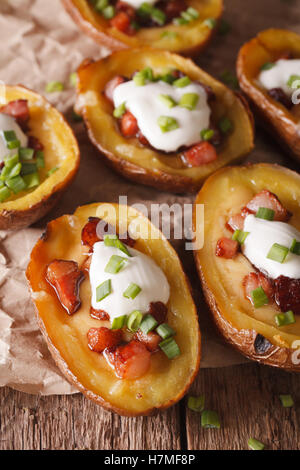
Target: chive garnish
{"x":259,"y":297}
{"x":189,"y":101}
{"x":210,"y":22}
{"x":180,"y":21}
{"x":119,"y":322}
{"x":134,"y":320}
{"x":294,"y":81}
{"x":148,"y":324}
{"x":26,"y":153}
{"x":193,"y":12}
{"x":265,"y":213}
{"x":158,"y":16}
{"x":165,"y":331}
{"x":240,"y":236}
{"x":167,"y":101}
{"x":28,"y":168}
{"x":284,"y":319}
{"x":103,"y":290}
{"x":115,"y":264}
{"x":167,"y":123}
{"x":100,"y":4}
{"x":254,"y":444}
{"x":113,"y":240}
{"x":267,"y":66}
{"x":196,"y":403}
{"x":170,"y":348}
{"x":278,"y":253}
{"x":210,"y":419}
{"x":168,"y":35}
{"x":54,"y":86}
{"x":52,"y":170}
{"x":207,"y":134}
{"x":225,"y":125}
{"x":229,"y":79}
{"x":40,"y":160}
{"x":5,"y":193}
{"x":287,"y":401}
{"x":132,"y":291}
{"x":119,"y":111}
{"x":32,"y":180}
{"x":295,"y":247}
{"x":16,"y":184}
{"x":108,"y":12}
{"x":11,"y":160}
{"x":182,"y":82}
{"x":73,"y":79}
{"x":9,"y":136}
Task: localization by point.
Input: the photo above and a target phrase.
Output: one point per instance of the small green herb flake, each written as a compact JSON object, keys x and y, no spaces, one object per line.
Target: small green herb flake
{"x":32,"y":180}
{"x":73,"y":79}
{"x":240,"y":236}
{"x":210,"y":419}
{"x":54,"y":86}
{"x":193,"y":13}
{"x":294,"y":81}
{"x":254,"y":444}
{"x":284,"y":319}
{"x":108,"y":12}
{"x":278,"y":253}
{"x":134,"y":320}
{"x":103,"y":290}
{"x":210,"y":22}
{"x":16,"y":184}
{"x":182,"y":82}
{"x":119,"y":111}
{"x":170,"y":348}
{"x":167,"y":123}
{"x":5,"y":193}
{"x":165,"y":331}
{"x":113,"y":240}
{"x":115,"y":264}
{"x":286,"y":401}
{"x":229,"y":79}
{"x":196,"y":403}
{"x":52,"y":170}
{"x":40,"y":160}
{"x":99,"y":5}
{"x":225,"y":125}
{"x":9,"y":136}
{"x":267,"y":66}
{"x":158,"y":16}
{"x":148,"y":324}
{"x":26,"y":153}
{"x":265,"y":213}
{"x":119,"y":322}
{"x":167,"y":100}
{"x":207,"y":134}
{"x":189,"y":101}
{"x":295,"y":247}
{"x":259,"y":297}
{"x":169,"y":35}
{"x":132,"y":291}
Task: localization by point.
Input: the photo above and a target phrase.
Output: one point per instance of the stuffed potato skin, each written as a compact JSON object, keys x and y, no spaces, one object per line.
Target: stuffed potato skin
{"x":279,"y":121}
{"x":167,"y":381}
{"x":127,"y":156}
{"x":252,"y":332}
{"x":191,"y":39}
{"x":61,"y":149}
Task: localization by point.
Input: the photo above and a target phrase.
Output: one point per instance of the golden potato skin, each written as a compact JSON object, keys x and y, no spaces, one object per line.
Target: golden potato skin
{"x":127,"y":156}
{"x":252,"y":333}
{"x":27,"y":207}
{"x":191,"y":40}
{"x":276,"y":118}
{"x":167,"y":381}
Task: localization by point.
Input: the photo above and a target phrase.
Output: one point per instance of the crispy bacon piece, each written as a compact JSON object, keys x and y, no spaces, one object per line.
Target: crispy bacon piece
{"x":159,"y":311}
{"x":287,"y":294}
{"x":111,"y":85}
{"x":17,"y":109}
{"x":269,"y":200}
{"x":130,"y":361}
{"x":150,"y":340}
{"x":121,"y":21}
{"x":279,"y":95}
{"x":65,"y":277}
{"x":123,"y":6}
{"x":254,"y":280}
{"x":227,"y":248}
{"x":99,"y":314}
{"x":172,"y":8}
{"x":236,"y":222}
{"x":200,"y":154}
{"x":142,"y":138}
{"x":34,"y":143}
{"x":93,"y":232}
{"x":129,"y":125}
{"x":102,"y":338}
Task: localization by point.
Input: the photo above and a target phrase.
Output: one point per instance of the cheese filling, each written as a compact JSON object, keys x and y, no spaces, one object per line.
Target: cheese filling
{"x":8,"y":123}
{"x":279,"y":75}
{"x":139,"y":269}
{"x":263,"y":234}
{"x":148,"y":104}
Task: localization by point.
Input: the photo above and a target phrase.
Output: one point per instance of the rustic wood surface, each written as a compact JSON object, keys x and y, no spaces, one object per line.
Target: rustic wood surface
{"x":246,"y":398}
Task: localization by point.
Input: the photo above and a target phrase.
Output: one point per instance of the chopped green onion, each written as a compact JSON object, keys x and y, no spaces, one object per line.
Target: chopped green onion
{"x":210,"y":22}
{"x":168,"y":35}
{"x":100,"y":5}
{"x":196,"y":403}
{"x":229,"y":79}
{"x":11,"y":160}
{"x":145,"y":10}
{"x":283,"y":319}
{"x":186,"y":16}
{"x":142,"y":76}
{"x":158,"y":16}
{"x":52,"y":170}
{"x":180,"y":21}
{"x":189,"y":101}
{"x":210,"y":419}
{"x":120,"y":110}
{"x":225,"y":125}
{"x":240,"y":236}
{"x":278,"y":253}
{"x":14,"y":144}
{"x":193,"y":12}
{"x":40,"y":161}
{"x":294,"y":81}
{"x":207,"y":134}
{"x":182,"y":82}
{"x":132,"y":291}
{"x":165,"y":331}
{"x":10,"y":136}
{"x":168,"y":78}
{"x":113,"y":240}
{"x":28,"y":168}
{"x":295,"y":247}
{"x":167,"y":100}
{"x":148,"y":324}
{"x":115,"y":264}
{"x":167,"y":123}
{"x":108,"y":12}
{"x":16,"y":184}
{"x":267,"y":66}
{"x":73,"y":79}
{"x":26,"y":153}
{"x":134,"y":320}
{"x":4,"y":194}
{"x":170,"y":348}
{"x":265,"y":213}
{"x":103,"y":290}
{"x":54,"y":86}
{"x":14,"y":171}
{"x":254,"y":444}
{"x":224,"y":28}
{"x":32,"y":180}
{"x":259,"y":297}
{"x":287,"y":401}
{"x":118,"y":322}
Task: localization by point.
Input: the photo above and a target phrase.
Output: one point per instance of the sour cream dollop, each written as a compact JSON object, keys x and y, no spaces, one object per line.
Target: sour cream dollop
{"x":138,"y":3}
{"x":144,"y":103}
{"x":262,"y":236}
{"x":279,"y":75}
{"x":139,"y":269}
{"x":7,"y":123}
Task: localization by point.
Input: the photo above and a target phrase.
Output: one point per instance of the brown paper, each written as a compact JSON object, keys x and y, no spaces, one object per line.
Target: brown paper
{"x":40,"y":43}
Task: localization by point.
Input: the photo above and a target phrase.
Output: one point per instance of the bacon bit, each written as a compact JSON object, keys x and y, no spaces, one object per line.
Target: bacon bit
{"x":236,"y":222}
{"x":17,"y":109}
{"x":287,"y":294}
{"x":121,"y":21}
{"x":142,"y":138}
{"x":34,"y":143}
{"x":150,"y":340}
{"x":227,"y":248}
{"x":279,"y":95}
{"x":209,"y":92}
{"x":200,"y":154}
{"x":65,"y":277}
{"x":102,"y":338}
{"x":111,"y":85}
{"x":92,"y":233}
{"x":254,"y":280}
{"x":123,"y":6}
{"x":129,"y":126}
{"x":130,"y":361}
{"x":173,"y":8}
{"x":99,"y":314}
{"x":269,"y":200}
{"x":159,"y":311}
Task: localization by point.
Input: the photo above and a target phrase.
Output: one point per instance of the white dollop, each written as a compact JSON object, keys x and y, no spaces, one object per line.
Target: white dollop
{"x":279,"y":74}
{"x":262,"y":236}
{"x":8,"y":123}
{"x":144,"y":103}
{"x":138,"y":3}
{"x":139,"y":269}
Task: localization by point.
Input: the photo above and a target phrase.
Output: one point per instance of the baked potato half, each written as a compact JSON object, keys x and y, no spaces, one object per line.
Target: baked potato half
{"x":167,"y":380}
{"x":61,"y":158}
{"x":147,"y":165}
{"x":186,"y":39}
{"x":252,"y":331}
{"x":267,"y":47}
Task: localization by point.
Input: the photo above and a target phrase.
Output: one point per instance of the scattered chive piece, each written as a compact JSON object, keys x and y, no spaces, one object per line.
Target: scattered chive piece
{"x":254,"y":444}
{"x":52,"y":170}
{"x":113,"y":240}
{"x":168,"y":35}
{"x":259,"y":297}
{"x":28,"y":168}
{"x":283,"y":319}
{"x":210,"y":419}
{"x":16,"y":184}
{"x":189,"y":101}
{"x":168,"y":78}
{"x":119,"y":111}
{"x":196,"y":403}
{"x":180,"y":21}
{"x":225,"y":125}
{"x":278,"y":253}
{"x":224,"y":28}
{"x":287,"y":401}
{"x":10,"y":136}
{"x":165,"y":331}
{"x":186,"y":16}
{"x":158,"y":16}
{"x":139,"y":79}
{"x":118,"y":322}
{"x":4,"y":194}
{"x":210,"y":22}
{"x":32,"y":180}
{"x":229,"y":79}
{"x":207,"y":134}
{"x":170,"y":348}
{"x":167,"y":123}
{"x":167,"y":100}
{"x":73,"y":79}
{"x":145,"y":10}
{"x":103,"y":290}
{"x":267,"y":66}
{"x":100,"y":5}
{"x":295,"y":247}
{"x":132,"y":291}
{"x":134,"y":320}
{"x":14,"y":144}
{"x":11,"y":160}
{"x":40,"y":160}
{"x":108,"y":12}
{"x":15,"y":170}
{"x":265,"y":213}
{"x":294,"y":81}
{"x":240,"y":236}
{"x":26,"y":153}
{"x":182,"y":82}
{"x":193,"y":12}
{"x":54,"y":86}
{"x":148,"y":324}
{"x":115,"y":264}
